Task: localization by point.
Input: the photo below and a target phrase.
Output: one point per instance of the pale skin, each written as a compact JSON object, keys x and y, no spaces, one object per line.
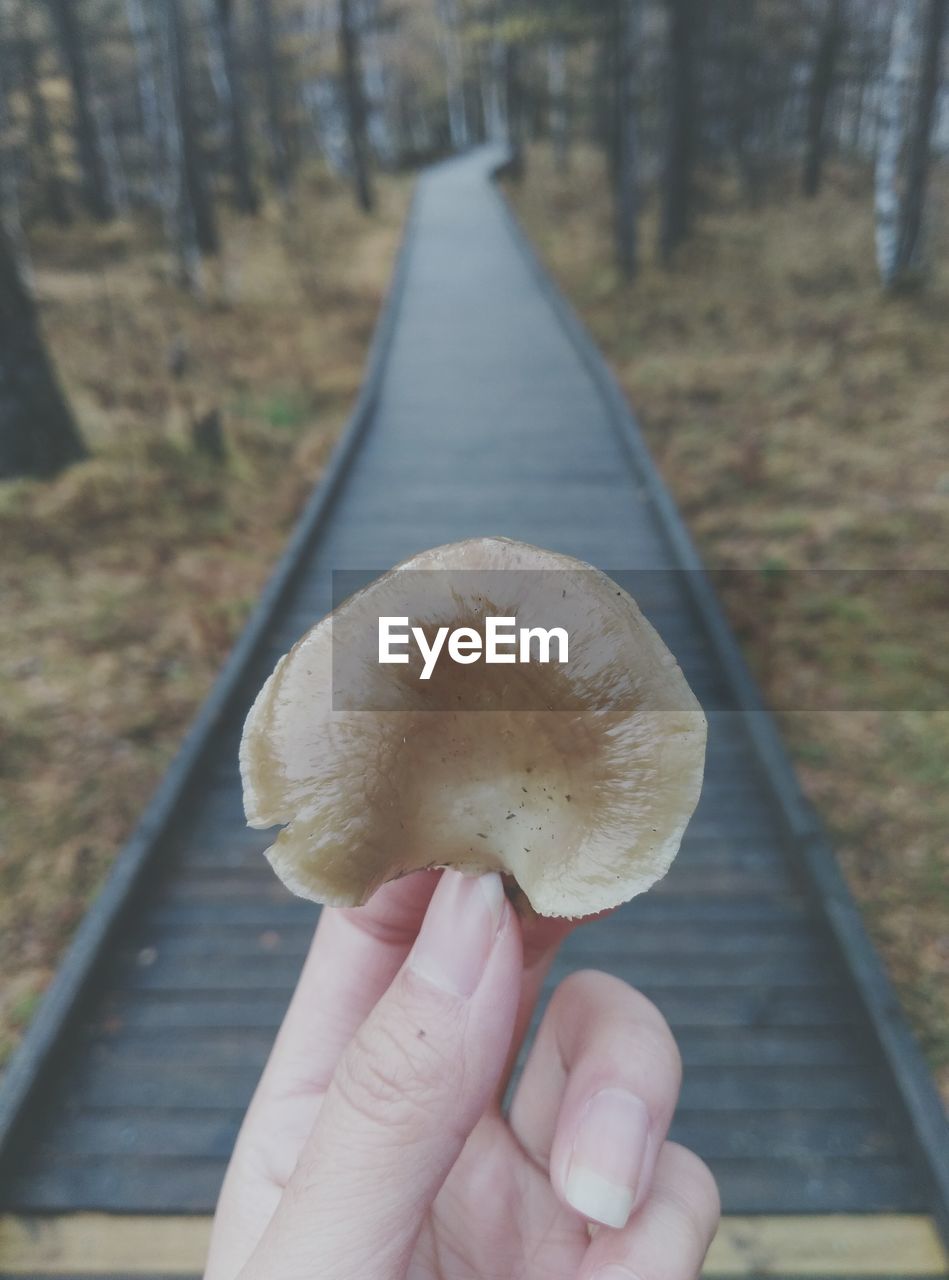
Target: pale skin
{"x":375,"y":1146}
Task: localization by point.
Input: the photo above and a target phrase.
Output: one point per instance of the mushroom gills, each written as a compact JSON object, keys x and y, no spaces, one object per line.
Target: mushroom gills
{"x":577,"y":780}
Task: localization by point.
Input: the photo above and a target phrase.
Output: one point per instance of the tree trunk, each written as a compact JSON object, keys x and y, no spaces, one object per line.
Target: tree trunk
{"x":892,"y":127}
{"x":95,"y":182}
{"x":149,"y":96}
{"x":55,"y":198}
{"x":490,"y":64}
{"x":829,"y":45}
{"x":355,"y":105}
{"x":559,"y":104}
{"x":681,"y":140}
{"x":10,"y":215}
{"x":746,"y":112}
{"x":625,"y":17}
{"x":112,"y":159}
{"x":454,"y":75}
{"x":38,"y":436}
{"x":910,"y":242}
{"x":273,"y":95}
{"x":514,"y":103}
{"x":194,"y":187}
{"x":246,"y":198}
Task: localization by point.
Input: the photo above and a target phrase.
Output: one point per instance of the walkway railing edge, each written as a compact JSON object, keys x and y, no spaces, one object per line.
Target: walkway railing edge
{"x":903,"y":1055}
{"x":61,"y":999}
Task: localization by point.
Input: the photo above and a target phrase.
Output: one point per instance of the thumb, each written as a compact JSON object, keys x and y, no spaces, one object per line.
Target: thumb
{"x":405,"y":1095}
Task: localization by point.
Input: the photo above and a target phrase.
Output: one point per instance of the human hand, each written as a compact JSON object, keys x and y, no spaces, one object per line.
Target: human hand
{"x":375,"y":1146}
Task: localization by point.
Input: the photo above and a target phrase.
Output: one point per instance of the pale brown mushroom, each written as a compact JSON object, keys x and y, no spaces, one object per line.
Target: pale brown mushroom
{"x":576,"y":779}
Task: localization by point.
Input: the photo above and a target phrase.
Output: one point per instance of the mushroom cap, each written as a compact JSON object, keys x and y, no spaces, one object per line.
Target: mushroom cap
{"x":576,"y":779}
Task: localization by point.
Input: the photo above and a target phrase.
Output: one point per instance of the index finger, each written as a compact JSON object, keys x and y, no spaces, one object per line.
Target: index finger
{"x":353,"y":958}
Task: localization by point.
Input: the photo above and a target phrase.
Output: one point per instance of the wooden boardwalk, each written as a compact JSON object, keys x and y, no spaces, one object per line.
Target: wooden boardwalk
{"x":486,"y":411}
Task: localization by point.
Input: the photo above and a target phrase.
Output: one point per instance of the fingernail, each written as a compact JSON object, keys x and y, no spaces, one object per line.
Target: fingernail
{"x":458,"y":932}
{"x":607,"y":1157}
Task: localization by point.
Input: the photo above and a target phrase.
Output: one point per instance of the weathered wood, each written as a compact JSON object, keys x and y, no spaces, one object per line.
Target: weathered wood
{"x":96,"y":1246}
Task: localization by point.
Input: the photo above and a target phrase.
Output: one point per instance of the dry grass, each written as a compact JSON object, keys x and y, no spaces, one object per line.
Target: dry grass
{"x":124,"y":582}
{"x":801,"y":422}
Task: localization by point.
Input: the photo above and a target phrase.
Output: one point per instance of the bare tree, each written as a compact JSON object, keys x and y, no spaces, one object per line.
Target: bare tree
{"x":38,"y":436}
{"x":829,"y":44}
{"x":356,"y":113}
{"x":682,"y":126}
{"x":514,"y":95}
{"x":150,"y":101}
{"x":246,"y":197}
{"x":903,"y":150}
{"x":95,"y":178}
{"x":907,"y":257}
{"x":195,"y":202}
{"x":623,"y":42}
{"x":559,"y":101}
{"x":454,"y":74}
{"x":273,"y":94}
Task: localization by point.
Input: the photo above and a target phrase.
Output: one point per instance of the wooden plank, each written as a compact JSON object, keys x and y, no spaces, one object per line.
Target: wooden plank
{"x":170,"y":910}
{"x":640,"y":939}
{"x":684,"y":1008}
{"x":856,"y":1245}
{"x":716,"y":1047}
{"x":152,"y":969}
{"x":181,"y":1135}
{"x":117,"y":1082}
{"x":99,"y":1244}
{"x":852,"y":1245}
{"x":815,"y":1185}
{"x":806,"y":1138}
{"x":802,"y":1137}
{"x":125,"y":1184}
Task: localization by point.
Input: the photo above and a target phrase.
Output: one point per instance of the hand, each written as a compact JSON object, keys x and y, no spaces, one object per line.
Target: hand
{"x":375,"y":1146}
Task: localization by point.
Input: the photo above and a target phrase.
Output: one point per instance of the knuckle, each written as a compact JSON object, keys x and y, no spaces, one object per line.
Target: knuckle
{"x":692,"y":1194}
{"x":391,"y":1074}
{"x":638,"y":1021}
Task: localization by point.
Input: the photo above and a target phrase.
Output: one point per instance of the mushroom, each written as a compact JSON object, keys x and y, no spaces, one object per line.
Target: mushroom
{"x":574,"y":778}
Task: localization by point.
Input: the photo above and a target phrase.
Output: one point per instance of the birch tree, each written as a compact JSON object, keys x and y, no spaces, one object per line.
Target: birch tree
{"x":38,"y":435}
{"x":909,"y":245}
{"x":450,"y":42}
{"x":904,"y":138}
{"x":149,"y":97}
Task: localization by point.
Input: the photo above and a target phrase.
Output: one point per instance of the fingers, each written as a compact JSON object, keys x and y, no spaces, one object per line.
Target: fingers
{"x":354,"y":957}
{"x":597,"y":1095}
{"x":406,"y":1093}
{"x":670,"y":1235}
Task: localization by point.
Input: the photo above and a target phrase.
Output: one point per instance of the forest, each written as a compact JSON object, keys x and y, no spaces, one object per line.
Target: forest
{"x":201,"y":202}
